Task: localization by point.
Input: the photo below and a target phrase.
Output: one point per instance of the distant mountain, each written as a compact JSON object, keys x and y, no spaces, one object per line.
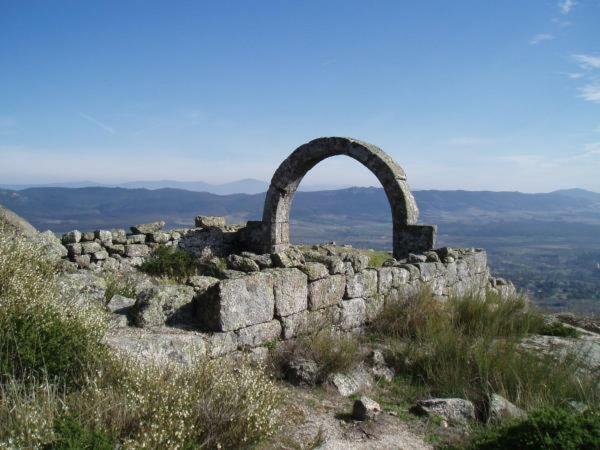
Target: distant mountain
{"x":64,"y":208}
{"x":246,"y":186}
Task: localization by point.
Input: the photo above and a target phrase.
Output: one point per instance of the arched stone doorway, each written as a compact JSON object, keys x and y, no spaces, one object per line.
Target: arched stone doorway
{"x":407,"y":236}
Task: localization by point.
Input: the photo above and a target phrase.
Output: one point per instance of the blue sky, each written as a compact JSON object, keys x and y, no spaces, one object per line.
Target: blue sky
{"x":463,"y":94}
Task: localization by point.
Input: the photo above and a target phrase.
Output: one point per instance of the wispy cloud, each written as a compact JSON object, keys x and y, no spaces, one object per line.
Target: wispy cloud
{"x":565,"y":6}
{"x":587,"y":61}
{"x":590,"y":92}
{"x":469,"y":141}
{"x":95,"y":121}
{"x":561,"y":22}
{"x":539,"y":38}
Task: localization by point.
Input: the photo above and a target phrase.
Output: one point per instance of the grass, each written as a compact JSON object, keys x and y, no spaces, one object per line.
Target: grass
{"x":469,"y":347}
{"x":171,"y":263}
{"x":61,"y":388}
{"x":377,"y":258}
{"x":331,"y":350}
{"x":547,"y":428}
{"x":118,"y":285}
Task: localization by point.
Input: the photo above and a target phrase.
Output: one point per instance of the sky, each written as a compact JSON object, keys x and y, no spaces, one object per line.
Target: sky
{"x":474,"y":95}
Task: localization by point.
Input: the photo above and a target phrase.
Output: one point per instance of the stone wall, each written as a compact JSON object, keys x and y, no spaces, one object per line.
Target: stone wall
{"x":250,"y":300}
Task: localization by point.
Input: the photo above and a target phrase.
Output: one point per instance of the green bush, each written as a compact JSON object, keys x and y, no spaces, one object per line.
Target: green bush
{"x":549,"y":428}
{"x":71,"y":435}
{"x":170,"y":262}
{"x":41,"y":333}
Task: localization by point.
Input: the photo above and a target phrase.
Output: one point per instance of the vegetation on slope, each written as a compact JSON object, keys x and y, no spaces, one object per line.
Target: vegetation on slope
{"x":60,"y":388}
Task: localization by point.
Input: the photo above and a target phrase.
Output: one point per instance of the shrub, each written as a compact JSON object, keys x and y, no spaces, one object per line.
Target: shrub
{"x":549,"y":428}
{"x":71,"y":435}
{"x":117,"y":284}
{"x":332,"y":351}
{"x":469,"y":347}
{"x":558,"y":329}
{"x":170,"y":262}
{"x":41,"y":333}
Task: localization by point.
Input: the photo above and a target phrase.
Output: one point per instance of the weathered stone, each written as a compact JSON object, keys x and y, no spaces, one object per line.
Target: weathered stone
{"x":241,"y":263}
{"x":111,"y":264}
{"x":16,"y":224}
{"x":256,"y":335}
{"x":163,"y":345}
{"x":51,"y":245}
{"x":500,"y":409}
{"x":147,"y":228}
{"x":401,"y":276}
{"x":136,"y":250}
{"x":104,"y":236}
{"x":365,"y":408}
{"x":116,"y":249}
{"x":432,"y":256}
{"x":237,"y":303}
{"x":100,"y":256}
{"x":88,"y":248}
{"x":229,"y":274}
{"x":201,"y":283}
{"x":209,"y":221}
{"x":82,"y":261}
{"x":291,"y":257}
{"x":82,"y":287}
{"x":263,"y":261}
{"x":136,"y":239}
{"x":72,"y":237}
{"x":315,"y":271}
{"x":119,"y":304}
{"x":374,"y":305}
{"x":350,"y":383}
{"x":219,"y":344}
{"x":119,"y":236}
{"x":294,"y":324}
{"x":385,"y":279}
{"x":73,"y":249}
{"x":290,"y":287}
{"x":413,"y":258}
{"x":302,"y":372}
{"x":87,"y":236}
{"x":334,"y":264}
{"x":326,"y":292}
{"x":359,"y":261}
{"x":362,"y":284}
{"x":354,"y":313}
{"x":454,"y":410}
{"x":160,"y":305}
{"x":159,"y":237}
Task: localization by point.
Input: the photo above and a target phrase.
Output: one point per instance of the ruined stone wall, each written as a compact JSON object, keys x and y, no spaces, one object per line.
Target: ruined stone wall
{"x":251,"y":300}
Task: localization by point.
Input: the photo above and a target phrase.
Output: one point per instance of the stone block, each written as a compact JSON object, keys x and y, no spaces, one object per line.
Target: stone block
{"x":158,"y":237}
{"x":136,"y":239}
{"x":315,"y":271}
{"x":136,"y":250}
{"x":326,"y":292}
{"x":256,"y":335}
{"x":290,"y":287}
{"x":209,"y":221}
{"x":160,"y":305}
{"x":104,"y":236}
{"x":72,"y":237}
{"x":353,"y":313}
{"x":88,"y":248}
{"x":119,"y":236}
{"x":147,"y":228}
{"x":237,"y":303}
{"x":362,"y":284}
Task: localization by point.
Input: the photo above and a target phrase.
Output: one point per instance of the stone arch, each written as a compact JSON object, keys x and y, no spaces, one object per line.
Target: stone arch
{"x":408,"y":237}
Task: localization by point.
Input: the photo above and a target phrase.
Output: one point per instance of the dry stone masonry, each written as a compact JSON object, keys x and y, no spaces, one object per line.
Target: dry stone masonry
{"x":253,"y":287}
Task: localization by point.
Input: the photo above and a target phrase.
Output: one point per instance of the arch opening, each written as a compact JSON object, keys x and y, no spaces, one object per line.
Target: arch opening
{"x":407,"y":236}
